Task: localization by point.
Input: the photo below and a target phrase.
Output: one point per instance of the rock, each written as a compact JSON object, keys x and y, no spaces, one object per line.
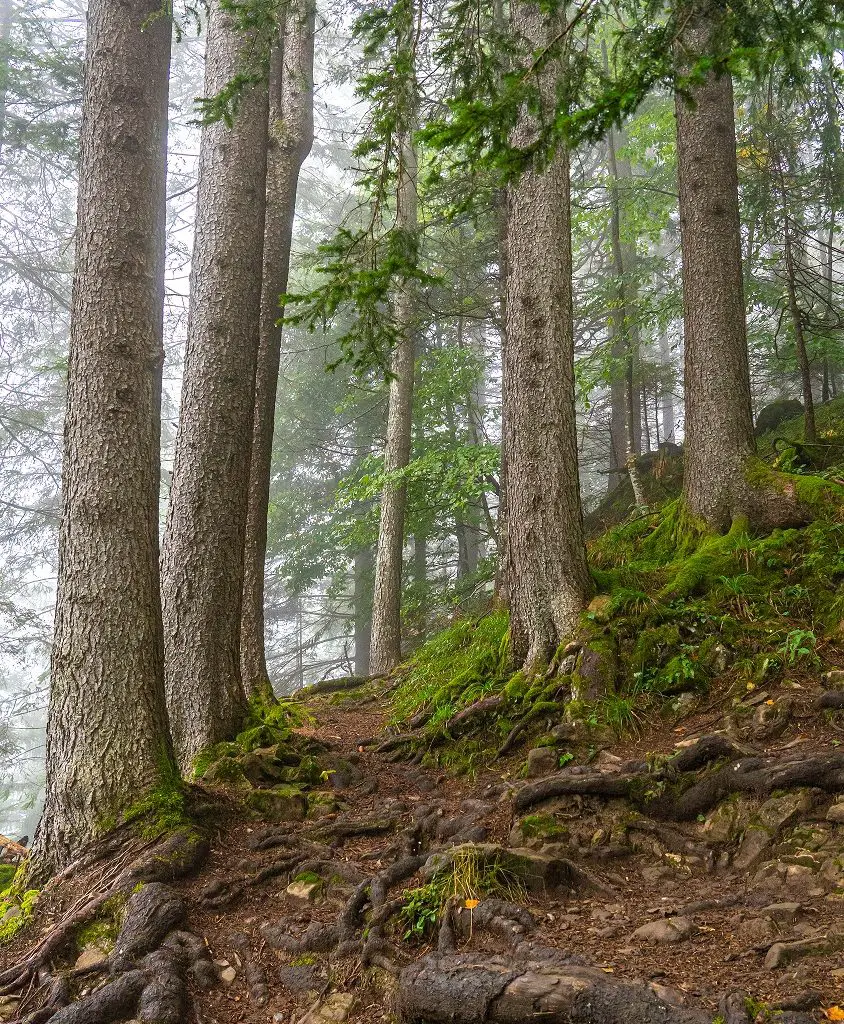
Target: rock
{"x":541,"y":761}
{"x":754,"y":845}
{"x":806,"y":1000}
{"x":565,"y":731}
{"x":10,"y":915}
{"x":725,"y":822}
{"x":775,"y":413}
{"x":716,"y":660}
{"x":284,"y":803}
{"x":302,"y":890}
{"x":836,"y":814}
{"x":783,"y":953}
{"x":780,"y":811}
{"x":9,"y":1007}
{"x":600,"y":608}
{"x":91,"y":956}
{"x":596,"y":670}
{"x":668,"y":995}
{"x":833,"y":680}
{"x":770,"y":720}
{"x":225,"y":972}
{"x":333,"y":1009}
{"x":783,"y":913}
{"x":666,"y":931}
{"x":684,"y":704}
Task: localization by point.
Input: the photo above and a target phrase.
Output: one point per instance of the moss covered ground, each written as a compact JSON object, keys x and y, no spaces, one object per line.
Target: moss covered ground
{"x":679,"y":611}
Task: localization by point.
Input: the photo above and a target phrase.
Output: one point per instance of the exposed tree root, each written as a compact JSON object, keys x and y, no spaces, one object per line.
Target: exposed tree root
{"x":465,"y":989}
{"x":151,"y":958}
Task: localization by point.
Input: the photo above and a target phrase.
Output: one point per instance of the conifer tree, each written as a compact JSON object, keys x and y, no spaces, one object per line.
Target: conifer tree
{"x":203,"y":552}
{"x":107,"y":737}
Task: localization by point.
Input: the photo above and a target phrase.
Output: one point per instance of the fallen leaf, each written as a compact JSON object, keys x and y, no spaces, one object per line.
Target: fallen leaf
{"x":770,"y":703}
{"x":471,"y":904}
{"x":834,"y":1013}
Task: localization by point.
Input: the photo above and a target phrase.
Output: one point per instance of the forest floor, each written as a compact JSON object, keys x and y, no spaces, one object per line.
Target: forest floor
{"x":359,"y":912}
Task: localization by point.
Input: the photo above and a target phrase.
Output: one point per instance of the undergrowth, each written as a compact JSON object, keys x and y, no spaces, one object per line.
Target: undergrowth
{"x":467,"y":880}
{"x":678,"y":608}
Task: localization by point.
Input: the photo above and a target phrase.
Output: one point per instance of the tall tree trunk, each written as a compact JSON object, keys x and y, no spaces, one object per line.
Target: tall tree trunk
{"x":624,"y":323}
{"x":385,"y":653}
{"x":666,"y":397}
{"x":810,"y":432}
{"x":107,"y":734}
{"x":718,"y":419}
{"x":5,"y":37}
{"x":363,"y":563}
{"x":204,"y":537}
{"x":549,"y":577}
{"x":290,"y":137}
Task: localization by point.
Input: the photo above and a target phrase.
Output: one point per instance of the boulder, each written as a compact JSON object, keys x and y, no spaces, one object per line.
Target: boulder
{"x":775,"y":413}
{"x":333,"y":1009}
{"x":541,"y":761}
{"x":284,"y":803}
{"x":667,"y":931}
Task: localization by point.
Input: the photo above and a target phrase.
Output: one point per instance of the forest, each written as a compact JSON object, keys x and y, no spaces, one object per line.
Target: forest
{"x":422,"y":516}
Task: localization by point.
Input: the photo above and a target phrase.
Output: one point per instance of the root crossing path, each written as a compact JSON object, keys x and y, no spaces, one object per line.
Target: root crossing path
{"x":701,"y":882}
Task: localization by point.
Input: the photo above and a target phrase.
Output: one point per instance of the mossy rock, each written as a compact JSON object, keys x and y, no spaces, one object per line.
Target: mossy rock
{"x":596,"y":671}
{"x":283,"y":803}
{"x":227,"y":772}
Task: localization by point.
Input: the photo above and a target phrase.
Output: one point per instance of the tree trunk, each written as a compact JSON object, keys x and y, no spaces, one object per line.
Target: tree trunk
{"x":623,"y":321}
{"x":204,"y":537}
{"x":666,"y":397}
{"x":363,"y":609}
{"x":810,"y":432}
{"x":5,"y":36}
{"x":290,"y":137}
{"x":107,"y":735}
{"x":718,"y":418}
{"x":385,"y":653}
{"x":549,"y":577}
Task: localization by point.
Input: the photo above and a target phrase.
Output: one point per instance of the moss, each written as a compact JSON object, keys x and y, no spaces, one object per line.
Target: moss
{"x":541,"y":826}
{"x":7,"y":873}
{"x":309,"y":878}
{"x":16,"y":909}
{"x":162,"y":809}
{"x":103,"y":930}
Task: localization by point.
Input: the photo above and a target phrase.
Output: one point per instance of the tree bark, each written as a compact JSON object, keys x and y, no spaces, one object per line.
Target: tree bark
{"x":718,"y":420}
{"x":107,"y":734}
{"x":549,"y":578}
{"x":385,"y":653}
{"x":624,"y":322}
{"x":204,"y":537}
{"x":666,"y":397}
{"x":5,"y":36}
{"x":363,"y":610}
{"x":290,"y":137}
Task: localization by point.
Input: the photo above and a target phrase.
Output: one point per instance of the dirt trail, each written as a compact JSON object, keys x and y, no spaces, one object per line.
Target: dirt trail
{"x":563,"y":888}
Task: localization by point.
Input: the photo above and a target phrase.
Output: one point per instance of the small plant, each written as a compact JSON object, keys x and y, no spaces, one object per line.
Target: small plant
{"x":565,"y":758}
{"x":465,"y":881}
{"x":799,"y":644}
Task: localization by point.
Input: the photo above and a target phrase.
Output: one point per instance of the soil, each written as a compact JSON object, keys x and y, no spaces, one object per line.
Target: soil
{"x":621,"y":869}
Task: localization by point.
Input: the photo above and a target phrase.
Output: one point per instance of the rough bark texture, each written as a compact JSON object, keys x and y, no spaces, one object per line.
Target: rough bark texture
{"x":467,"y":989}
{"x":363,"y":609}
{"x":624,"y":319}
{"x":385,"y":652}
{"x":203,"y":541}
{"x":718,"y":418}
{"x":107,"y":738}
{"x":548,"y":574}
{"x":290,"y":137}
{"x":5,"y":35}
